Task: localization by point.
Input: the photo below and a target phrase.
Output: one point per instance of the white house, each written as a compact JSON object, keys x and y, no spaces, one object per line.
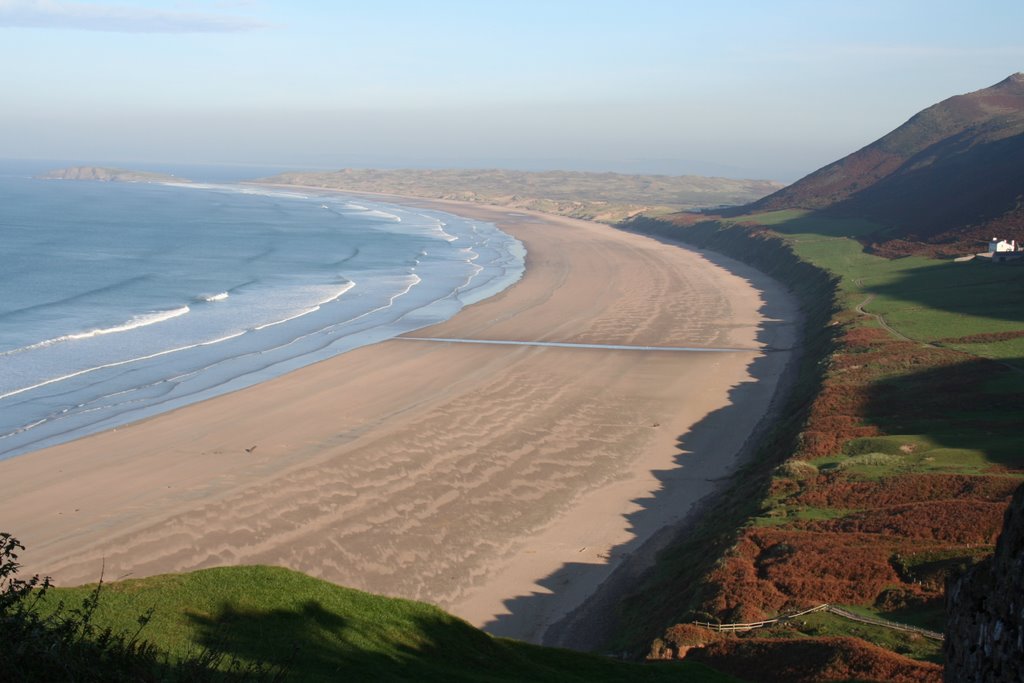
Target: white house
{"x":998,"y":245}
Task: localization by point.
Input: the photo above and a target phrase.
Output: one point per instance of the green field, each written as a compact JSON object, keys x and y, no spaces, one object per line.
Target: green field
{"x":317,"y":631}
{"x":936,"y":303}
{"x":927,"y":300}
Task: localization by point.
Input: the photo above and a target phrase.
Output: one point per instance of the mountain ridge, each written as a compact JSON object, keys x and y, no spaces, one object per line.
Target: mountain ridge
{"x":940,"y":182}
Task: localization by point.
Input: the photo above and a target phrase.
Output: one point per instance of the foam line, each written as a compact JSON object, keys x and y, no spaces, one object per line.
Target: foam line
{"x":133,"y":324}
{"x":117,"y":364}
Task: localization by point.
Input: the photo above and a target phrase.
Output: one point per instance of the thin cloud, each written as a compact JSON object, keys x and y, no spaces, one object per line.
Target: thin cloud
{"x":116,"y":18}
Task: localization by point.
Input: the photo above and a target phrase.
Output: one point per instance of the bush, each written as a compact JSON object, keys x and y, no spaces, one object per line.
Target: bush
{"x":66,"y":645}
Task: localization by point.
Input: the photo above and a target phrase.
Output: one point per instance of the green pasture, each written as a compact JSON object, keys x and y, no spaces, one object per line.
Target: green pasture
{"x":927,"y":300}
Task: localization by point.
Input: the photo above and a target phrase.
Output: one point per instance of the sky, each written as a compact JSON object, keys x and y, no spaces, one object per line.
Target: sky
{"x":739,"y":88}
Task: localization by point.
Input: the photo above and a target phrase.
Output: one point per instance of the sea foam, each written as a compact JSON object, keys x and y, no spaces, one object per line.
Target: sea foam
{"x":278,"y":281}
{"x":136,"y":322}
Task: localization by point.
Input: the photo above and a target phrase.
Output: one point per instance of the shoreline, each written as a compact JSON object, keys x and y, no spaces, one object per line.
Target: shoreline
{"x":503,"y":483}
{"x":106,"y":377}
{"x":593,"y":622}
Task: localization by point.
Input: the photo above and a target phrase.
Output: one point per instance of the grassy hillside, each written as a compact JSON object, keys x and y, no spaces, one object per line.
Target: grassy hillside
{"x":317,"y":631}
{"x":903,"y":463}
{"x":947,"y":178}
{"x":608,"y":197}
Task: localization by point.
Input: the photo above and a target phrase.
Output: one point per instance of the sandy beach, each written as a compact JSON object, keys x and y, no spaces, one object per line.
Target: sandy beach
{"x":501,"y":482}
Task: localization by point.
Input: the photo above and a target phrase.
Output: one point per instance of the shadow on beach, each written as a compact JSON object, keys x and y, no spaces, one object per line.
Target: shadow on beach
{"x":699,"y":474}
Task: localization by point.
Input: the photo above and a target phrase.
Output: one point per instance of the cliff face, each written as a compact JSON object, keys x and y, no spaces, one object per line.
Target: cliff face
{"x":985,"y":610}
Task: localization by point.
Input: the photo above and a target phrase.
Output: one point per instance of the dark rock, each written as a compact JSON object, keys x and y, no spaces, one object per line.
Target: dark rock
{"x":985,"y":610}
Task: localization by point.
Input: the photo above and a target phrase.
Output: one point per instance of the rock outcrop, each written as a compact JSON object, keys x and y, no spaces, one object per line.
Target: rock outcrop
{"x":985,"y":610}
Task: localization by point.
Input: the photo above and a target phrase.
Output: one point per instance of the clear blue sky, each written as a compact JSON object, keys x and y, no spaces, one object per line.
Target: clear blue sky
{"x":750,"y":88}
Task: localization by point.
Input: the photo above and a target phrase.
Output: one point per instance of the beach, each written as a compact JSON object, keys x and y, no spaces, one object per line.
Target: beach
{"x":503,"y":482}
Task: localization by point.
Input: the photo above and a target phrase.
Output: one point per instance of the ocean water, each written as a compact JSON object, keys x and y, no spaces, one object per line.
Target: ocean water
{"x":122,"y":300}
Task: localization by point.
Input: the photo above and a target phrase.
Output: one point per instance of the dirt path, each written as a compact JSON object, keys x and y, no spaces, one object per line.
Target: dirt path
{"x":881,"y":320}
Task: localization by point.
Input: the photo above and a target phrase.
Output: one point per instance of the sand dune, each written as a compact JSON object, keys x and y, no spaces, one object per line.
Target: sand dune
{"x":462,"y":474}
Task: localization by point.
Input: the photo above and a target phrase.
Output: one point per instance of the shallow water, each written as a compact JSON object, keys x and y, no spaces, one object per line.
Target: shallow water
{"x":119,"y":300}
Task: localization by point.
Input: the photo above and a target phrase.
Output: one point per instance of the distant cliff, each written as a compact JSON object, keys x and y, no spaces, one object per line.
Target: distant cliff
{"x":985,"y":610}
{"x":104,"y":174}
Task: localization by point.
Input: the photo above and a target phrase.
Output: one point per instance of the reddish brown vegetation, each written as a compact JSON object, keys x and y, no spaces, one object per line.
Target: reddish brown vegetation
{"x":680,"y":639}
{"x":958,"y":242}
{"x":985,"y":338}
{"x":772,"y":570}
{"x":856,"y":400}
{"x":894,"y":541}
{"x":847,"y":405}
{"x":872,"y":378}
{"x":840,"y":491}
{"x":807,"y":661}
{"x":945,"y":521}
{"x":859,"y":337}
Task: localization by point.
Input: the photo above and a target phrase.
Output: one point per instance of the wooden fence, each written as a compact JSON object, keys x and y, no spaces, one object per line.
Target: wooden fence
{"x":838,"y":611}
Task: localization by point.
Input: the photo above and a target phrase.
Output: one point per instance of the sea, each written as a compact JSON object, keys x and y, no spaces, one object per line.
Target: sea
{"x":122,"y":300}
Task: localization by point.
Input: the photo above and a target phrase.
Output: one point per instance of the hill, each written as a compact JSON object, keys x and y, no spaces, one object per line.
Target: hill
{"x":608,"y":197}
{"x":951,"y":176}
{"x":890,"y":473}
{"x":316,"y":631}
{"x":106,"y":174}
{"x":899,"y":452}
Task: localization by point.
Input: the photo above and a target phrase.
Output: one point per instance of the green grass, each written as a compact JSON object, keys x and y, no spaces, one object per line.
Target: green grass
{"x":936,"y":460}
{"x":323,"y":632}
{"x":933,"y":302}
{"x":779,"y":515}
{"x":928,"y":300}
{"x":823,"y":624}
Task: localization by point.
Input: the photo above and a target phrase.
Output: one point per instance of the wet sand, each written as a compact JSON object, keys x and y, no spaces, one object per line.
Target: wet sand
{"x":501,"y":482}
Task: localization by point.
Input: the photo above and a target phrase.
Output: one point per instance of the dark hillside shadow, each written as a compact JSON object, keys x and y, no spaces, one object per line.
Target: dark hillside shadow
{"x":314,"y":644}
{"x":956,"y":406}
{"x":956,"y":182}
{"x":976,"y":288}
{"x":311,"y":643}
{"x":276,"y":637}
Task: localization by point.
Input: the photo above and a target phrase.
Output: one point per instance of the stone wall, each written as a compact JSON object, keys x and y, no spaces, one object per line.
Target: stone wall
{"x":985,"y":610}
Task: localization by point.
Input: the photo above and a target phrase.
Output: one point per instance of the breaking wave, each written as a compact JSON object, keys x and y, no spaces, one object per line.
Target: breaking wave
{"x":135,"y":323}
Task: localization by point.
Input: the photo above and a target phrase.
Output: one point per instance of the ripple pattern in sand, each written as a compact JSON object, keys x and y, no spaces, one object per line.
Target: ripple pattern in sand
{"x":420,"y":511}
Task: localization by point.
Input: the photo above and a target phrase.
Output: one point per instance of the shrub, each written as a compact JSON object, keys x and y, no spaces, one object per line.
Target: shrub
{"x":66,"y":645}
{"x":803,"y":660}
